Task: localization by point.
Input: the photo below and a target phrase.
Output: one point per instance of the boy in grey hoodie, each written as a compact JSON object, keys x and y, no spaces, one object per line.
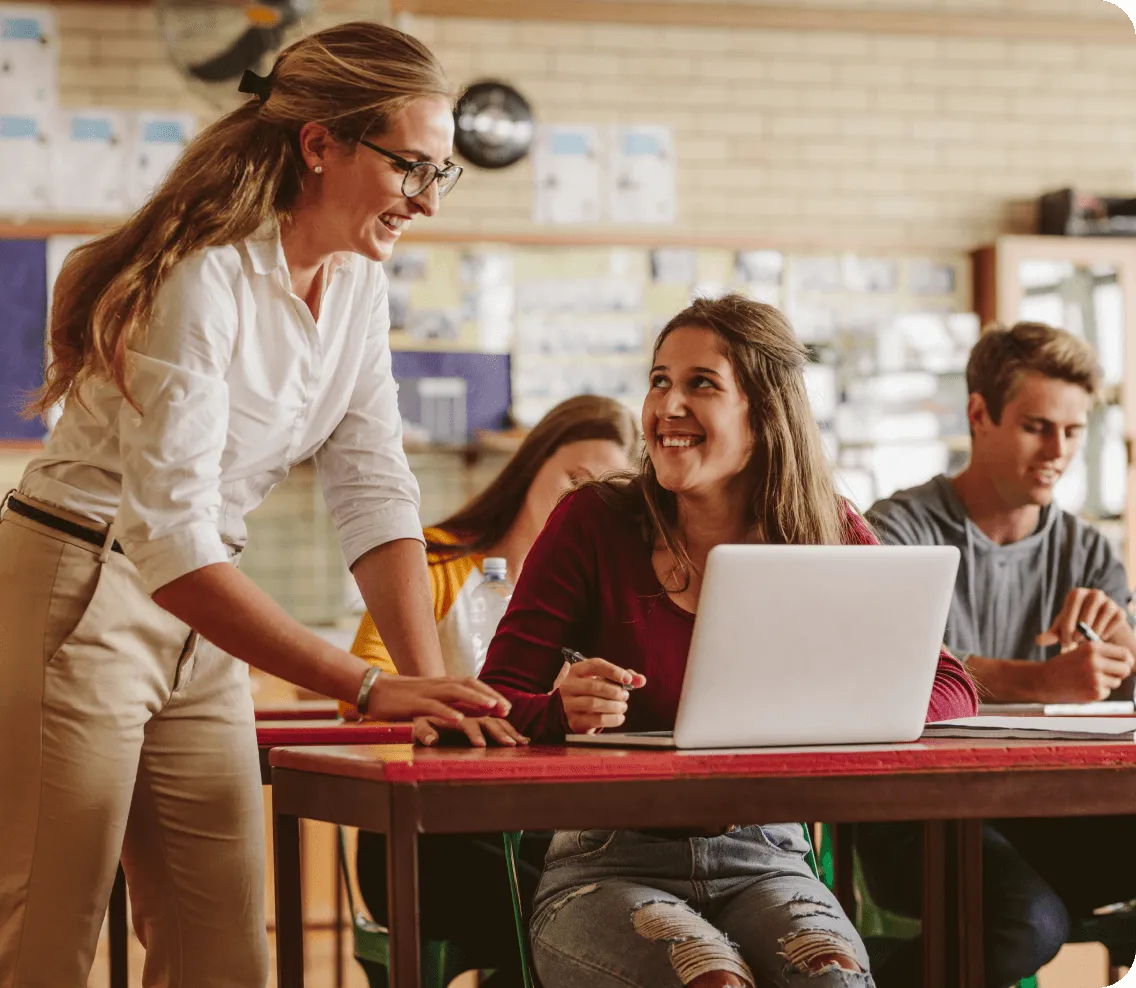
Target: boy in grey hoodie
{"x":1029,"y":573}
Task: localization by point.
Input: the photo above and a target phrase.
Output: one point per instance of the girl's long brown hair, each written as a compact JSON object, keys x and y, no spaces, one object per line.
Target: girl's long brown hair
{"x":483,"y":522}
{"x":239,"y":172}
{"x":794,"y":499}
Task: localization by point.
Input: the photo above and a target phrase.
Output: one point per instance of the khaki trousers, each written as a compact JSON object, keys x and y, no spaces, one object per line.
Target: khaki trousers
{"x":119,"y":738}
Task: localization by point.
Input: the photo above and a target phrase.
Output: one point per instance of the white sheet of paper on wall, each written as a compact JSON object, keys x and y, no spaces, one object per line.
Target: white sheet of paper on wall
{"x":859,"y":486}
{"x":1108,"y":308}
{"x":641,"y":174}
{"x":869,"y":274}
{"x":820,"y":385}
{"x":25,"y":142}
{"x":929,"y":277}
{"x":1048,"y":308}
{"x":489,"y":297}
{"x":88,"y":162}
{"x":769,"y":294}
{"x":1072,"y":491}
{"x":1113,"y":463}
{"x":566,"y":174}
{"x":759,"y":267}
{"x":674,"y":266}
{"x":897,"y":467}
{"x":29,"y":58}
{"x":815,"y":274}
{"x":158,"y":141}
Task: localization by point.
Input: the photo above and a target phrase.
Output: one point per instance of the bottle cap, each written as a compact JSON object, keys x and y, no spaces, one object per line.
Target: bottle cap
{"x":495,"y":566}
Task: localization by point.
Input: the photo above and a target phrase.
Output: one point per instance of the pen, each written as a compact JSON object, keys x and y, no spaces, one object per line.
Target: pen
{"x":571,"y":656}
{"x":1090,"y":635}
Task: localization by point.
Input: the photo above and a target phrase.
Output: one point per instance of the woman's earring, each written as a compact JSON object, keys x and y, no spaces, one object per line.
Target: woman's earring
{"x":318,"y":169}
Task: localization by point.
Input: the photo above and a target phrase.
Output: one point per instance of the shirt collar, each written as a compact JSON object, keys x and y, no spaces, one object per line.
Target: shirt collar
{"x":265,"y":250}
{"x":267,"y":253}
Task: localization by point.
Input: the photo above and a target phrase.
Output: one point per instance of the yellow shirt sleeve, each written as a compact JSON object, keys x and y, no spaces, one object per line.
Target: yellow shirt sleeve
{"x":447,"y":577}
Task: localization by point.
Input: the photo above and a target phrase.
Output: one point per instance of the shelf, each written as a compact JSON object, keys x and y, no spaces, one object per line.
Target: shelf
{"x":41,"y":227}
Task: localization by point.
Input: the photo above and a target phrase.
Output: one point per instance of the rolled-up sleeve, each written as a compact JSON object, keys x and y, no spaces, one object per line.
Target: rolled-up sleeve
{"x":370,"y":491}
{"x":172,"y":447}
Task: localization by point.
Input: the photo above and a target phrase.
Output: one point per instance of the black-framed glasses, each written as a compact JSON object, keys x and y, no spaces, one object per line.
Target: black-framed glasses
{"x":420,"y":174}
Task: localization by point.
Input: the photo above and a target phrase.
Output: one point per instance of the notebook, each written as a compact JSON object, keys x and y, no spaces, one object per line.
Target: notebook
{"x":1101,"y":708}
{"x":1036,"y":728}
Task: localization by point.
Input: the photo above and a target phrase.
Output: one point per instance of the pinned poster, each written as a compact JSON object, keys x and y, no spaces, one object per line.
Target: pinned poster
{"x":29,"y":58}
{"x":566,"y":173}
{"x":641,"y":175}
{"x":159,"y":139}
{"x":24,"y":160}
{"x":88,"y":163}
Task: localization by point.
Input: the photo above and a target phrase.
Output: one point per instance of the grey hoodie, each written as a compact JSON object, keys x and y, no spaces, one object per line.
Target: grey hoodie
{"x":1005,"y":595}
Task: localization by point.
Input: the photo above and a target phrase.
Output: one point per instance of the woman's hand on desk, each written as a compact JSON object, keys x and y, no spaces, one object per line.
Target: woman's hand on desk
{"x":444,"y":699}
{"x":477,"y":731}
{"x":593,"y":697}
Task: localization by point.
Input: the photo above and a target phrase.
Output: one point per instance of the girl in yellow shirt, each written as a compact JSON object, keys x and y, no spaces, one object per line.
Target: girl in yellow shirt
{"x":580,"y":439}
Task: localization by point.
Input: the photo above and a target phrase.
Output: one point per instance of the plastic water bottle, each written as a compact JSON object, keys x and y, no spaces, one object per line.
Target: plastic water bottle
{"x":487,"y":606}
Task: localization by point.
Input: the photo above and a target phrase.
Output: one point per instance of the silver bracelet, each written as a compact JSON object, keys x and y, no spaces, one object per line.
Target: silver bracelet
{"x":364,"y":696}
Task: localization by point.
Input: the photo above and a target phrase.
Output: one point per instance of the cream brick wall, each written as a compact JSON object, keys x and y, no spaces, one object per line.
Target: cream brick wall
{"x":787,"y":137}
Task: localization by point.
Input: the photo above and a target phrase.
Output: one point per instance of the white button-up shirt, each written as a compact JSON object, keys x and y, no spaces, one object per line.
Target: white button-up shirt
{"x":237,"y":382}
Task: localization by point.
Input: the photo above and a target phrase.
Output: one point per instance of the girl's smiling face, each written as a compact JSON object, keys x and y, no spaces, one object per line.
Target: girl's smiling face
{"x":696,"y":416}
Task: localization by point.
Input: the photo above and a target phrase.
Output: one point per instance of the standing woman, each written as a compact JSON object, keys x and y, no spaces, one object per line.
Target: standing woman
{"x":237,"y":324}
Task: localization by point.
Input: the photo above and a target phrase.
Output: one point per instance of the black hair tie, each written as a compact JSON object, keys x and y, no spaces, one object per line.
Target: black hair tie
{"x":255,"y":85}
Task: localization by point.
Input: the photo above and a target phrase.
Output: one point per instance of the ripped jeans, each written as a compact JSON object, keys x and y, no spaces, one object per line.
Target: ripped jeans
{"x":624,"y":909}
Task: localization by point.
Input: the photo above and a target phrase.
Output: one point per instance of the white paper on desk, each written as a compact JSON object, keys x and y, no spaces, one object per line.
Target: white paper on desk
{"x":1036,"y":728}
{"x":29,"y":58}
{"x":88,"y":162}
{"x":641,"y":174}
{"x":158,"y":140}
{"x":566,"y":174}
{"x":25,"y":146}
{"x":1098,"y":708}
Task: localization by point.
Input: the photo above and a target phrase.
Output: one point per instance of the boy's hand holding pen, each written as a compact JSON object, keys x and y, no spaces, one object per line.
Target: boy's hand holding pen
{"x":595,"y":692}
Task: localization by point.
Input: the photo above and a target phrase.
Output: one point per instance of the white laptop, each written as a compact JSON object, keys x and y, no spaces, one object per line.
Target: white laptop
{"x":809,"y":645}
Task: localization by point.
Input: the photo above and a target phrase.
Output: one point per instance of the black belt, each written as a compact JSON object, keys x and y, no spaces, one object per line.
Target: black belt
{"x":71,"y":528}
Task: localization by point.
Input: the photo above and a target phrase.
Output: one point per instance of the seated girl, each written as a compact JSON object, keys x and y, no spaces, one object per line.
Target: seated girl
{"x":732,"y":455}
{"x":464,"y":893}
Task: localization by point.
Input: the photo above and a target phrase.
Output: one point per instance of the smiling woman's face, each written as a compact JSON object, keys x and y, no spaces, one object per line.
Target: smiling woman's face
{"x":359,"y":191}
{"x":696,"y":416}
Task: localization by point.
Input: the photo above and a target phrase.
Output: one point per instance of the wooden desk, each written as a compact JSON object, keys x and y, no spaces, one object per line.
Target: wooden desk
{"x":275,"y":734}
{"x":402,"y":791}
{"x":298,"y":710}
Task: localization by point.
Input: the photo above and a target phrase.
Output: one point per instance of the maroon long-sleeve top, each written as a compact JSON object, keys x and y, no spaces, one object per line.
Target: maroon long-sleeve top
{"x":589,"y":583}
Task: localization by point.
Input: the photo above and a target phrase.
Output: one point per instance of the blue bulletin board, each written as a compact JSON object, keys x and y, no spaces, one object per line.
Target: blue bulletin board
{"x":23,"y":316}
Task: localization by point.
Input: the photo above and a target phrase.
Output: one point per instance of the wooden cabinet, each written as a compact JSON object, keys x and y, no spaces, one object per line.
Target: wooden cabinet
{"x":1087,"y":286}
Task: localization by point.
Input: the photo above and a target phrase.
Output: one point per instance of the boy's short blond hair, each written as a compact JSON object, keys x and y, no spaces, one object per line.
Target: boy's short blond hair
{"x":1002,"y":356}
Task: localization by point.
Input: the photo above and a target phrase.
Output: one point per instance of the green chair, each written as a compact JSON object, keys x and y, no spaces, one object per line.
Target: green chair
{"x":512,"y":846}
{"x":872,"y":921}
{"x":441,"y":960}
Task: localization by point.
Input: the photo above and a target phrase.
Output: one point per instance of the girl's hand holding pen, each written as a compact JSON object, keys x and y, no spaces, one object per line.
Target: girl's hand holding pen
{"x":595,"y":692}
